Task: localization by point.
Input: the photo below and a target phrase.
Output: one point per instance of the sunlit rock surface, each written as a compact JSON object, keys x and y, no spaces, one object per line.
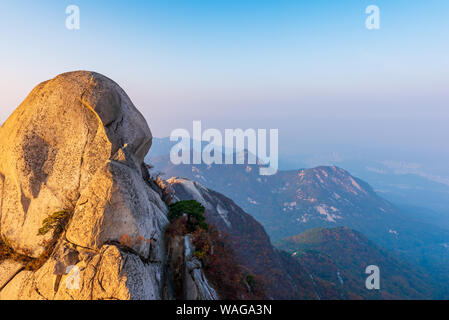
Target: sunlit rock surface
{"x":77,"y":144}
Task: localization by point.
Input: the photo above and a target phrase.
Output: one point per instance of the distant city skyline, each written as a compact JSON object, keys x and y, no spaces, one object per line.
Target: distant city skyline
{"x":308,"y":68}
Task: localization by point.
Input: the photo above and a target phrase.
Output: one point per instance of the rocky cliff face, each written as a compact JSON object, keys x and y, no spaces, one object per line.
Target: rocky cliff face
{"x":78,"y":220}
{"x":282,"y":277}
{"x":184,"y":275}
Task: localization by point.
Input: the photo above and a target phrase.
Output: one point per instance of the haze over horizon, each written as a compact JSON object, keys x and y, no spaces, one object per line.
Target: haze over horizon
{"x":312,"y":70}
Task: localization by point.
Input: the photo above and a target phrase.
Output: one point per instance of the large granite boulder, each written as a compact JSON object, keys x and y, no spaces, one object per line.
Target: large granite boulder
{"x":76,"y":145}
{"x":66,"y":133}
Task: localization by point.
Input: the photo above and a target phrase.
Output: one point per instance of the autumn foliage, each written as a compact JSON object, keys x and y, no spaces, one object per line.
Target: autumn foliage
{"x":214,"y":250}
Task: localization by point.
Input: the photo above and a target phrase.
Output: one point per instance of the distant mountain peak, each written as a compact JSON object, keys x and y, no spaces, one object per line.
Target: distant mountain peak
{"x":295,"y":200}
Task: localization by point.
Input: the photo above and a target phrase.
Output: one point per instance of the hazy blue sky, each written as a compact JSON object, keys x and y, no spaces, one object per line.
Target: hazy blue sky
{"x":309,"y":68}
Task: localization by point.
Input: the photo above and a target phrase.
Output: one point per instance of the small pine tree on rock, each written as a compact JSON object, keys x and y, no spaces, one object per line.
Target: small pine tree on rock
{"x":194,"y":212}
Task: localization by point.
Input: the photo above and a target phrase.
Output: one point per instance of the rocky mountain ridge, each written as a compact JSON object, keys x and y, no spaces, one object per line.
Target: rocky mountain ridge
{"x":294,"y":201}
{"x":250,"y":243}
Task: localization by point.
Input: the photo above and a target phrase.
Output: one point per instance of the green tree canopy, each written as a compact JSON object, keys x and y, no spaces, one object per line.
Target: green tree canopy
{"x":194,"y":211}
